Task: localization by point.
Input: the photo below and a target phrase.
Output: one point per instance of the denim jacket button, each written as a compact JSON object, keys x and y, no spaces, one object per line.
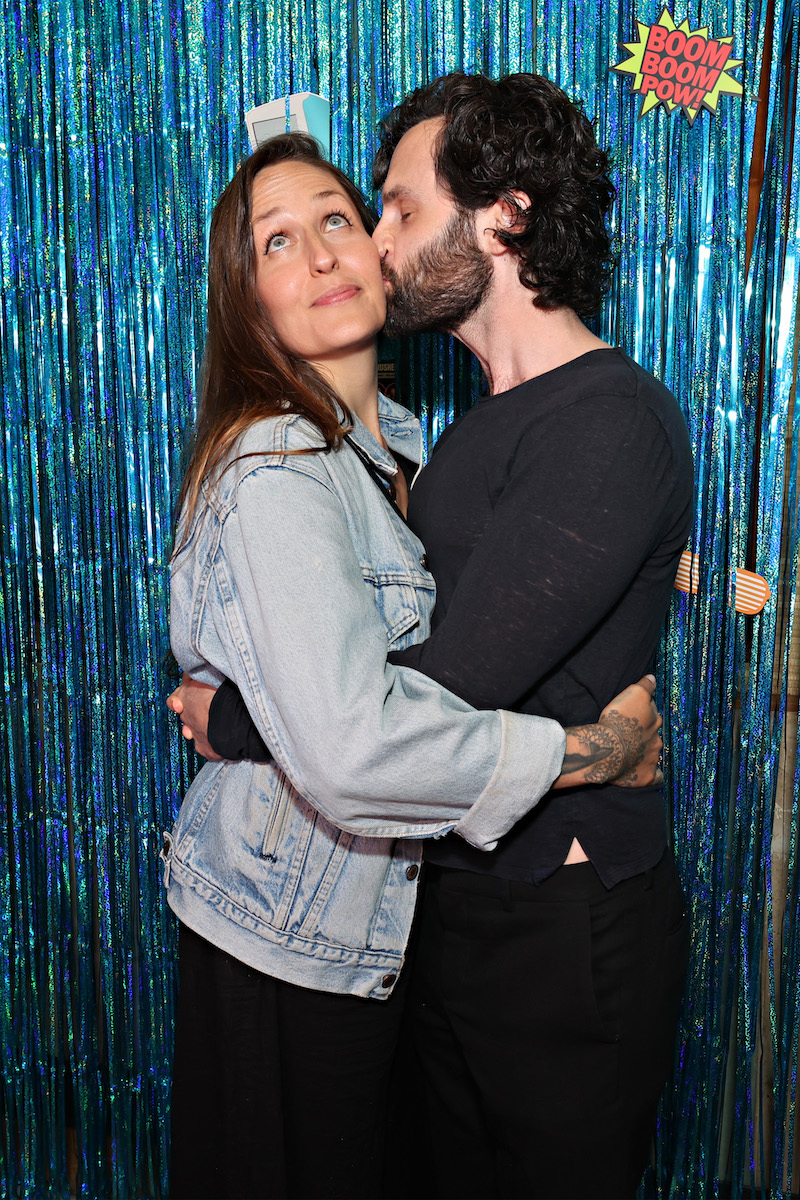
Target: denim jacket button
{"x":388,"y":981}
{"x":412,"y":872}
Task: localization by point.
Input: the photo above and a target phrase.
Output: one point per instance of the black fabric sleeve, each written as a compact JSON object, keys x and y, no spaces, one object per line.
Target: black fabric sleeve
{"x":231,"y":730}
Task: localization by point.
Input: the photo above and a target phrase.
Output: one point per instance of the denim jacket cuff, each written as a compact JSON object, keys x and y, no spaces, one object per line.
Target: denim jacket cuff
{"x":530,"y":761}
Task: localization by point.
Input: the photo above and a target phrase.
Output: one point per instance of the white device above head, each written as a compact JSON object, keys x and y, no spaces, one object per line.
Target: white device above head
{"x":302,"y":111}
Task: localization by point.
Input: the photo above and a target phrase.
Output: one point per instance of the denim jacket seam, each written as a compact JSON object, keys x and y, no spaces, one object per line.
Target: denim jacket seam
{"x":251,"y":919}
{"x":205,"y":582}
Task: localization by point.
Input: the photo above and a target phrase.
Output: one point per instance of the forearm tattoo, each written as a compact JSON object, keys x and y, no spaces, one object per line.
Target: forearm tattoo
{"x":598,"y":755}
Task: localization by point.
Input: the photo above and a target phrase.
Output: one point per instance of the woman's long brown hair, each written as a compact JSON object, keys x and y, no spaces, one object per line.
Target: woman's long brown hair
{"x":247,"y":373}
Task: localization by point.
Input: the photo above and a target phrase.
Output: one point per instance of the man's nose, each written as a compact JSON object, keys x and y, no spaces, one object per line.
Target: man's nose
{"x":382,"y":239}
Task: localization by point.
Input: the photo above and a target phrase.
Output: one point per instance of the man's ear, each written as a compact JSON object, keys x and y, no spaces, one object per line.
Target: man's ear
{"x":502,"y":216}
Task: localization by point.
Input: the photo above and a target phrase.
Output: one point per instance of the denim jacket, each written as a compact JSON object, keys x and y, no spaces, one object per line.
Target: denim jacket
{"x":294,"y":580}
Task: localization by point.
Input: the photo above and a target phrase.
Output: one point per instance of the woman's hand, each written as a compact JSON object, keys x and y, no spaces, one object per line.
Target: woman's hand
{"x":191,"y":702}
{"x":624,"y":747}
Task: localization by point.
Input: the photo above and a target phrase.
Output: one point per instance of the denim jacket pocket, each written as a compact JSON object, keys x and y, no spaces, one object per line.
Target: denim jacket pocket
{"x":400,"y":598}
{"x":278,"y":819}
{"x":198,"y":803}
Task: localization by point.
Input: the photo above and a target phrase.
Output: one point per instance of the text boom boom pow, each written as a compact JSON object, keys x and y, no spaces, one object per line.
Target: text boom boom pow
{"x":679,"y":67}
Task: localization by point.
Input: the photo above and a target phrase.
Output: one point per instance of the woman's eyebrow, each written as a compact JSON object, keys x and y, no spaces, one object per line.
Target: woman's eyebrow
{"x":282,"y":209}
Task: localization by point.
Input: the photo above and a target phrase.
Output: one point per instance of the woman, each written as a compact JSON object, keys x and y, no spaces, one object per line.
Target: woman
{"x":295,"y":881}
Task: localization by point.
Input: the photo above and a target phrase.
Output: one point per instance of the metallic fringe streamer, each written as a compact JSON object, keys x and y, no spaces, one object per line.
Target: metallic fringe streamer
{"x":119,"y":126}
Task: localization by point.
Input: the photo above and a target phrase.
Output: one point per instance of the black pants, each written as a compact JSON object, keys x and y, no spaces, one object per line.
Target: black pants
{"x":544,"y":1018}
{"x":278,"y":1091}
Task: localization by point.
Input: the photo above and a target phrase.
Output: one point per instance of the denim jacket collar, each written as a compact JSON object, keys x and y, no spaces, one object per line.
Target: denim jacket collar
{"x":401,"y":431}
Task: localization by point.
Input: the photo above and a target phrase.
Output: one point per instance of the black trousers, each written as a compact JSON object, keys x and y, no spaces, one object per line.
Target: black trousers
{"x":544,"y":1018}
{"x":278,"y":1091}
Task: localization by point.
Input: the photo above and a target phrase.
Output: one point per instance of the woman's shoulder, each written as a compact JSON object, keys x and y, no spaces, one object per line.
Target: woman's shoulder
{"x":288,"y":441}
{"x":278,"y":442}
{"x":277,"y":436}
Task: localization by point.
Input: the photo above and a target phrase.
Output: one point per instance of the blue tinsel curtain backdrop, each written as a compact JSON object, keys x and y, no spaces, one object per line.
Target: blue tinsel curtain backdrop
{"x":120,"y":122}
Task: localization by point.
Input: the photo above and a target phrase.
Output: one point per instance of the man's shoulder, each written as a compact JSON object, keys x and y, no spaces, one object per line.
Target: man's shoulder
{"x":654,"y":398}
{"x":605,"y":390}
{"x":605,"y":372}
{"x":607,"y":404}
{"x":634,"y":379}
{"x":611,"y":381}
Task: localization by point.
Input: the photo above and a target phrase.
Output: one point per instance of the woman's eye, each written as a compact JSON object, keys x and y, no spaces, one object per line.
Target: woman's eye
{"x":276,"y":242}
{"x":336,"y":221}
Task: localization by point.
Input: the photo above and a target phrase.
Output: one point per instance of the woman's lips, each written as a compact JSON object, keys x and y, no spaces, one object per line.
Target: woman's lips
{"x":337,"y":295}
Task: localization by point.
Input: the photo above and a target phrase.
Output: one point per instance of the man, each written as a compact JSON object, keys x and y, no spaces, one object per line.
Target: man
{"x":548,"y":974}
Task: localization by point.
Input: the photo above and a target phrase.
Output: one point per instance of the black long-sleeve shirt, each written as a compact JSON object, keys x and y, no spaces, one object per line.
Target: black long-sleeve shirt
{"x":553,"y":517}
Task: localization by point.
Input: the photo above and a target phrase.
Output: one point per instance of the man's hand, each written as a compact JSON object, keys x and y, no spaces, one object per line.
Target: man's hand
{"x":191,"y":702}
{"x":624,"y":747}
{"x":634,"y":718}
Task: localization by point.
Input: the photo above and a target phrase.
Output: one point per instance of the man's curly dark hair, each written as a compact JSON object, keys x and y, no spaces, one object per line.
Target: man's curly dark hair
{"x":521,"y":133}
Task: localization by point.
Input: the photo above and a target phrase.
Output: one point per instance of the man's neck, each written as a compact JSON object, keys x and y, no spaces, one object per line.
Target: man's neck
{"x":514,"y":341}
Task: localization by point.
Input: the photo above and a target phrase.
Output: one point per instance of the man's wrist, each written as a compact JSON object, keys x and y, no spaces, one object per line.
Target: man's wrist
{"x":595,"y":753}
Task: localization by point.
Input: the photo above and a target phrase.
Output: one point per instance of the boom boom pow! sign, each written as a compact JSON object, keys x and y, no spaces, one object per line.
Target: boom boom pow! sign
{"x":680,"y":67}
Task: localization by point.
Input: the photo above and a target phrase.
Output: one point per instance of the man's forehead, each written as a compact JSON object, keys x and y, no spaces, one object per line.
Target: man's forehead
{"x":411,"y":170}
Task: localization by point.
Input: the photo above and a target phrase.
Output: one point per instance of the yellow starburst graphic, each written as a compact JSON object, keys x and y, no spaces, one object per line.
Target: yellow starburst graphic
{"x":680,"y":67}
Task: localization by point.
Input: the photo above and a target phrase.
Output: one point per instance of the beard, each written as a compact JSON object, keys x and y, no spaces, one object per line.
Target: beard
{"x":442,"y":285}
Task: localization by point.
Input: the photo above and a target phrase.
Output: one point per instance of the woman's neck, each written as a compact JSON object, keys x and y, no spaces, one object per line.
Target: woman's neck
{"x":355,"y":378}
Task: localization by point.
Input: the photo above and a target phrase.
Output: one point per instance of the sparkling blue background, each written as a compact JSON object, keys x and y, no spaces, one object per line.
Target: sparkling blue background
{"x":119,"y":124}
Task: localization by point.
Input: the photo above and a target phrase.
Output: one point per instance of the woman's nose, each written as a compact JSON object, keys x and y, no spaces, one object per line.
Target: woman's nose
{"x":323,"y":256}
